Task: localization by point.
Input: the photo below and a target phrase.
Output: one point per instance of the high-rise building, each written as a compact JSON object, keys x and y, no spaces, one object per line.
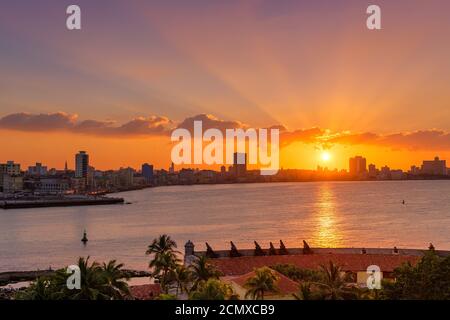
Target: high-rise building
{"x":11,"y":168}
{"x":172,"y":168}
{"x":81,"y":164}
{"x":8,"y":172}
{"x":240,"y":164}
{"x":434,"y":167}
{"x":357,"y":165}
{"x":147,"y":172}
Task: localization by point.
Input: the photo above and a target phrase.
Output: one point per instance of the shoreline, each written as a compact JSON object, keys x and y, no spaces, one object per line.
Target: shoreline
{"x":65,"y":201}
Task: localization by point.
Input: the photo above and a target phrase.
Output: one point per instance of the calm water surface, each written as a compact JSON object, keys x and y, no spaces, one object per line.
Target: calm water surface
{"x":333,"y":214}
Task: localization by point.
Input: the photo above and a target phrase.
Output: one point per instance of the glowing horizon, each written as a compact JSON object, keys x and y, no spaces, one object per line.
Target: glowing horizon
{"x":313,"y":68}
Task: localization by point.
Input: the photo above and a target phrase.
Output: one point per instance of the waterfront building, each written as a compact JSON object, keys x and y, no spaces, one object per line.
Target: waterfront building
{"x":186,"y":176}
{"x":385,"y":173}
{"x":12,"y":183}
{"x":240,"y":164}
{"x":37,"y":170}
{"x":373,"y":172}
{"x":7,"y":170}
{"x":415,"y":170}
{"x":147,"y":172}
{"x":357,"y":165}
{"x":172,"y":168}
{"x":51,"y":185}
{"x":90,"y":178}
{"x":397,"y":175}
{"x":126,"y":177}
{"x":434,"y":167}
{"x":81,"y":164}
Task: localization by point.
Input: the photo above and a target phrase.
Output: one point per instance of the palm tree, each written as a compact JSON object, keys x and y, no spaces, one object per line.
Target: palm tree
{"x":183,"y":277}
{"x":161,"y":245}
{"x":164,"y":260}
{"x":163,"y":266}
{"x":98,"y":282}
{"x":305,"y":292}
{"x":264,"y":280}
{"x":334,"y":283}
{"x":115,"y":279}
{"x":202,"y":270}
{"x":92,"y":282}
{"x":213,"y":289}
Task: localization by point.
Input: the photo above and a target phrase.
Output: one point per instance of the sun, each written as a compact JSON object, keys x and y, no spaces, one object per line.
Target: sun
{"x":326,"y":156}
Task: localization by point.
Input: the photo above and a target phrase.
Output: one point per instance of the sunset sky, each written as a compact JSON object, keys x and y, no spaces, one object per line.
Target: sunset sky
{"x":139,"y":69}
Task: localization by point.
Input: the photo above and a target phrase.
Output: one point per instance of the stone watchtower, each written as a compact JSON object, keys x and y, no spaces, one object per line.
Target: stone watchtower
{"x":189,"y":253}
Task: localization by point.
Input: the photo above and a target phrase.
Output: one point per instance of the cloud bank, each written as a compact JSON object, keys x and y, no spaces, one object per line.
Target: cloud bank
{"x":431,"y":139}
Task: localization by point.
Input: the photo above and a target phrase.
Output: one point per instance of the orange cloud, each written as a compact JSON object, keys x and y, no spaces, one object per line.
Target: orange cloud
{"x":418,"y":140}
{"x":162,"y":126}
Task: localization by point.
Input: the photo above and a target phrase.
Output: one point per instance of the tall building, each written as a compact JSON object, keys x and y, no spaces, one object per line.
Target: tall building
{"x":81,"y":164}
{"x":357,"y":165}
{"x":434,"y":167}
{"x":10,"y":168}
{"x":147,"y":172}
{"x":372,"y":171}
{"x":240,"y":164}
{"x":172,"y":168}
{"x":37,"y":170}
{"x":10,"y":180}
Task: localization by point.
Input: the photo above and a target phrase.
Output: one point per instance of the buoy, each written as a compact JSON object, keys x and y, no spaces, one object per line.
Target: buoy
{"x":85,"y":239}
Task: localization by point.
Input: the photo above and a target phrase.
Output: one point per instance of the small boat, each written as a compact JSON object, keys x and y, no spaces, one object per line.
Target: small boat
{"x":84,"y":239}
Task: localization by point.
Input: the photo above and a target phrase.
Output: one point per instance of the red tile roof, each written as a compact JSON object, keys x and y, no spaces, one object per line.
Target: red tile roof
{"x":285,"y":285}
{"x":146,"y":291}
{"x":348,"y":262}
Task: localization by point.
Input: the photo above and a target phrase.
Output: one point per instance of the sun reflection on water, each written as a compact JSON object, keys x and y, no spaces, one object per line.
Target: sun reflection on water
{"x":327,"y":232}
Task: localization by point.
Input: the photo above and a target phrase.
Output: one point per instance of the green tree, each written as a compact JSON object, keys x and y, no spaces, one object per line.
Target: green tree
{"x":97,"y":283}
{"x":429,"y":279}
{"x":41,"y":289}
{"x":297,"y":274}
{"x":212,"y":289}
{"x":334,"y":284}
{"x":183,"y":278}
{"x":264,"y":280}
{"x":115,"y":280}
{"x":306,"y":292}
{"x":164,"y":260}
{"x":161,"y":245}
{"x":202,"y":270}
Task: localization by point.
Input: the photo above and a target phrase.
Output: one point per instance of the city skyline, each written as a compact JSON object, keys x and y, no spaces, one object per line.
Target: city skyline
{"x":357,"y":164}
{"x":379,"y":93}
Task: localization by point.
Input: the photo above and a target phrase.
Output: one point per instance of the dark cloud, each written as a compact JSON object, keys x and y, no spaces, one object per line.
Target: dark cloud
{"x":38,"y":122}
{"x":210,"y":122}
{"x":60,"y":121}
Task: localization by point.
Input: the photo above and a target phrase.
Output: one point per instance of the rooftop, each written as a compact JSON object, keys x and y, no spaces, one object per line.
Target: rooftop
{"x":285,"y":285}
{"x":348,"y":262}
